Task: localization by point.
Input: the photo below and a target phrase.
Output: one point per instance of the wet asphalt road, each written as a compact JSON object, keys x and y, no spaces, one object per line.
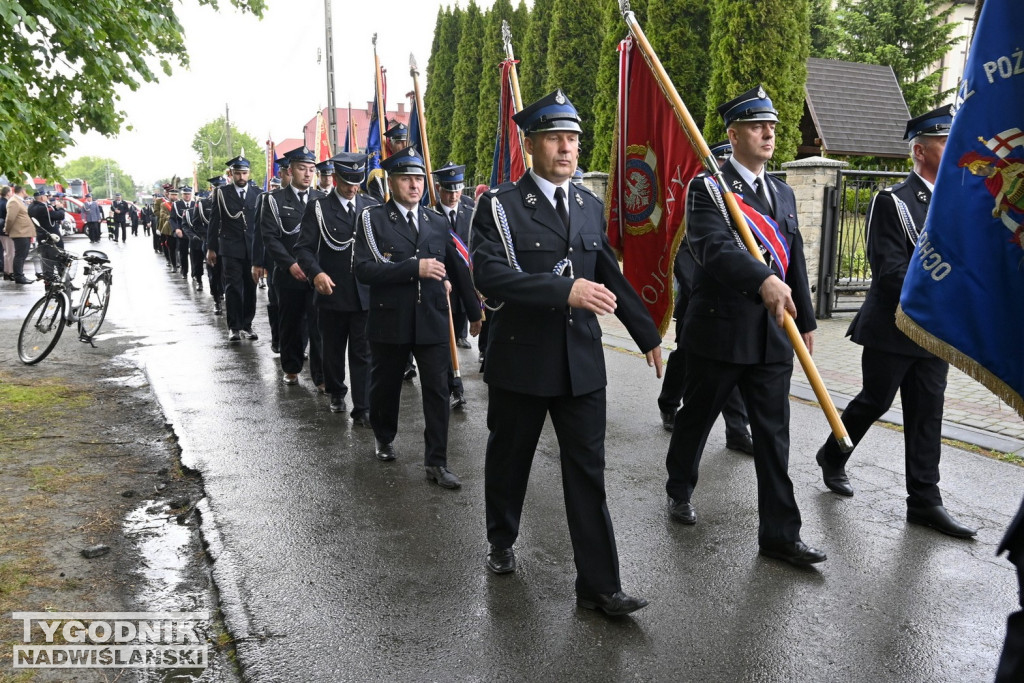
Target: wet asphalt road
{"x":335,"y":567}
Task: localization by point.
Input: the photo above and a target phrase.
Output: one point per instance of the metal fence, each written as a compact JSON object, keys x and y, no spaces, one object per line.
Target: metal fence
{"x":844,"y":274}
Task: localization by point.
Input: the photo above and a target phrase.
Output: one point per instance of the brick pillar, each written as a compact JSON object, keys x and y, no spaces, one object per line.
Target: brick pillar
{"x":809,"y":177}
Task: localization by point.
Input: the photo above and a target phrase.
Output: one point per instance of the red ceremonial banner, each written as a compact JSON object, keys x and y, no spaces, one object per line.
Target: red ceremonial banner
{"x":323,"y":143}
{"x":652,"y":163}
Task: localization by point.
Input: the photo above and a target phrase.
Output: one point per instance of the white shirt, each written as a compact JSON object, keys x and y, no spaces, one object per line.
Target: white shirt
{"x":547,"y":188}
{"x":749,"y":178}
{"x":415,"y":215}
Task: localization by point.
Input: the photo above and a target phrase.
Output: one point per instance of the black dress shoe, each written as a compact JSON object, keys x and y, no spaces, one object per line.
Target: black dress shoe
{"x":682,"y":511}
{"x":463,"y":343}
{"x":795,"y":552}
{"x":939,"y":519}
{"x":275,"y":347}
{"x":385,"y":451}
{"x":217,"y":310}
{"x":234,"y":336}
{"x":249,"y":334}
{"x":337,"y":404}
{"x":834,"y":477}
{"x":442,"y":477}
{"x":614,"y":604}
{"x":501,"y":560}
{"x":361,"y":418}
{"x":22,"y":280}
{"x":668,"y":420}
{"x":741,"y":442}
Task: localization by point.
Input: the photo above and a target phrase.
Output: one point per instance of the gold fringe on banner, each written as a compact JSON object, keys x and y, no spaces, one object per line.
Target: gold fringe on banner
{"x":960,"y":360}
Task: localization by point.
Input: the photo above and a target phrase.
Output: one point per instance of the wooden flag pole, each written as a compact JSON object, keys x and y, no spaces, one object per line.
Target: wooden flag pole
{"x":414,"y":72}
{"x":701,"y":147}
{"x":517,"y":97}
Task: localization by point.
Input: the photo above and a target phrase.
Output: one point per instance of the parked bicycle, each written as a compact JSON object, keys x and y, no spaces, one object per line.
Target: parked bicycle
{"x":46,"y":320}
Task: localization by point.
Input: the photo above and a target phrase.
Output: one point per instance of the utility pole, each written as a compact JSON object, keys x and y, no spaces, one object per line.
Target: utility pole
{"x":227,"y":127}
{"x":332,"y":112}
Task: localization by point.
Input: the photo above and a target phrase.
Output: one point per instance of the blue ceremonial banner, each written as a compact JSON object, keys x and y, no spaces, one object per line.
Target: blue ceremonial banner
{"x":416,"y":140}
{"x":374,"y":173}
{"x":963,"y":296}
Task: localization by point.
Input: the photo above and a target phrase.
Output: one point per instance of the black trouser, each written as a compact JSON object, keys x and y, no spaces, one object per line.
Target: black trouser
{"x":135,"y":228}
{"x":21,"y":247}
{"x":216,"y":279}
{"x":515,"y":422}
{"x":239,"y":292}
{"x":92,"y":229}
{"x":158,"y":240}
{"x":387,"y":365}
{"x":921,"y":383}
{"x":182,"y":244}
{"x":273,"y":306}
{"x":124,"y":231}
{"x":338,"y":330}
{"x":765,"y":390}
{"x":1011,"y":662}
{"x":294,"y":329}
{"x":197,"y":255}
{"x":170,"y":247}
{"x":672,"y":393}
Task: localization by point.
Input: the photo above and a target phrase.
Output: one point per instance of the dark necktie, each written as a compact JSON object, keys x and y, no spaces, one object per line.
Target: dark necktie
{"x":241,"y":195}
{"x":302,"y":196}
{"x":560,"y":206}
{"x":451,"y":219}
{"x":349,"y":211}
{"x":412,"y":223}
{"x":762,"y":194}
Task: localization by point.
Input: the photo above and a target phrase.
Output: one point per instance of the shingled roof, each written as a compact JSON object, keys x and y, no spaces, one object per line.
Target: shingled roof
{"x":854,"y":109}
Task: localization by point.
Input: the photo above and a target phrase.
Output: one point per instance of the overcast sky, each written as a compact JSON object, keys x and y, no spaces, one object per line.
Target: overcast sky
{"x":267,"y":73}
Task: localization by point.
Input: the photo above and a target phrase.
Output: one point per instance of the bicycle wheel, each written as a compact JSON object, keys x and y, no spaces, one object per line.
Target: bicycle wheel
{"x":41,"y":330}
{"x":93,"y":308}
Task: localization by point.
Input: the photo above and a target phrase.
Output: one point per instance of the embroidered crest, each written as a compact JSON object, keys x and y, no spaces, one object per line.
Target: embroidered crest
{"x":531,"y":199}
{"x":1002,"y":175}
{"x":737,"y":186}
{"x":922,"y":197}
{"x":393,"y":216}
{"x":579,"y":200}
{"x":559,"y":97}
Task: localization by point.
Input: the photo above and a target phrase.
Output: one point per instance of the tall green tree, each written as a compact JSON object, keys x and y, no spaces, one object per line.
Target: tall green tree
{"x":908,"y":35}
{"x":210,"y":144}
{"x":572,"y":58}
{"x":62,"y":62}
{"x":764,"y":42}
{"x":823,"y":28}
{"x":96,"y":171}
{"x":438,"y":103}
{"x":532,"y":51}
{"x":520,"y":22}
{"x":467,"y":84}
{"x":492,"y":54}
{"x":681,"y":35}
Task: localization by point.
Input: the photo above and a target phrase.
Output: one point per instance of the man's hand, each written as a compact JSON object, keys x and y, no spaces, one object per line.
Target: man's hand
{"x":591,"y":296}
{"x":179,"y":233}
{"x":809,"y":341}
{"x":296,"y":270}
{"x":431,"y":269}
{"x":448,"y":287}
{"x":211,"y":257}
{"x":323,"y":284}
{"x":654,"y":360}
{"x":257,"y":273}
{"x":778,"y":299}
{"x":474,"y":328}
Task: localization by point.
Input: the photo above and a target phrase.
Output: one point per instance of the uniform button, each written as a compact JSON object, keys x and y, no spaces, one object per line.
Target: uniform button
{"x":570,"y":322}
{"x":595,"y":244}
{"x":570,"y":250}
{"x":512,"y":338}
{"x":537,"y":245}
{"x":712,"y":310}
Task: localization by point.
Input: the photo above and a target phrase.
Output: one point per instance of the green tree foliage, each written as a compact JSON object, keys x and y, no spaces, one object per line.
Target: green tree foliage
{"x":532,"y":52}
{"x":823,"y":28}
{"x":573,"y":55}
{"x":492,"y":54}
{"x":467,"y":84}
{"x":62,"y":61}
{"x":520,"y":23}
{"x":681,"y":35}
{"x":210,"y":144}
{"x":438,"y":103}
{"x":764,"y":42}
{"x":94,"y":170}
{"x":908,"y":35}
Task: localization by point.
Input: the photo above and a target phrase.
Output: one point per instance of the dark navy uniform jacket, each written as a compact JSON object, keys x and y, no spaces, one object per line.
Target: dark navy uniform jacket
{"x":232,"y":223}
{"x":889,"y":250}
{"x":405,"y":309}
{"x":538,"y":345}
{"x":279,"y":238}
{"x":329,"y":247}
{"x":726,"y":320}
{"x":198,"y":220}
{"x":463,"y":216}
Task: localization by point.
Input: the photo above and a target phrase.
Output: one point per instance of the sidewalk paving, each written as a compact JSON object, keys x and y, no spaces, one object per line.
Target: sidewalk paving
{"x":972,"y":414}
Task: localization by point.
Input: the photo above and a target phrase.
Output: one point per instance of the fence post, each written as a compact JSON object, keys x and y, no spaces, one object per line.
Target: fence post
{"x":809,"y":177}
